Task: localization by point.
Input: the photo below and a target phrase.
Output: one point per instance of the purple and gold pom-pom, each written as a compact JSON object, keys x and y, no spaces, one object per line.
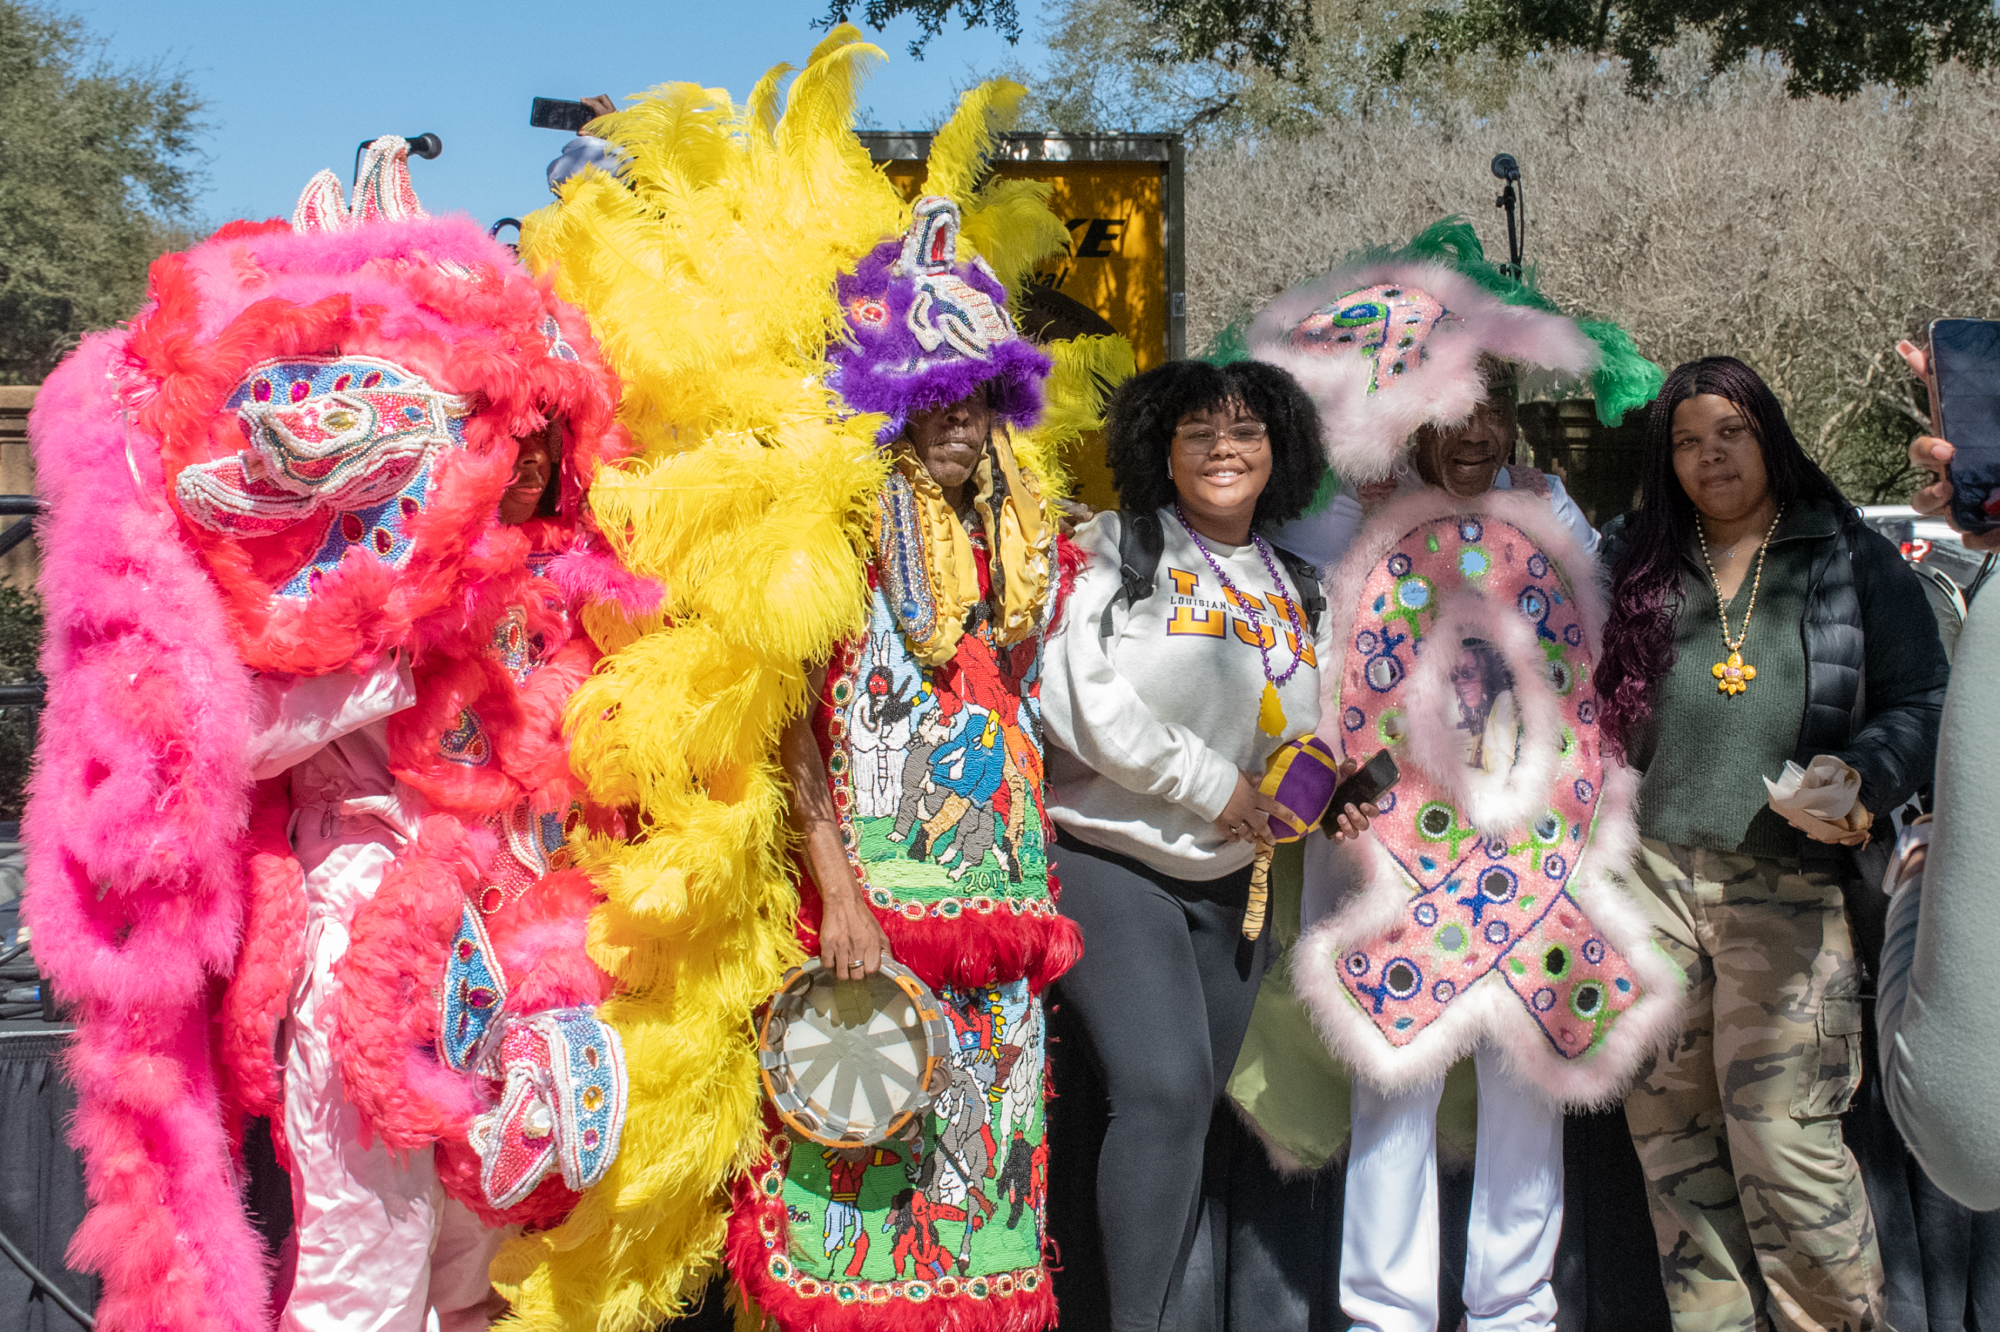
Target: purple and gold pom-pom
{"x":1300,"y":778}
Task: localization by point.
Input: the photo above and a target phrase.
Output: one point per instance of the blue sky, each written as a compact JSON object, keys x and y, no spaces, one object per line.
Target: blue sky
{"x":291,"y":91}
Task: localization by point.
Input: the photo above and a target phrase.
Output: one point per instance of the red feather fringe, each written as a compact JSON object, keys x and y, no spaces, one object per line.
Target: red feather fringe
{"x":255,"y":1002}
{"x":973,"y":950}
{"x":760,"y":1229}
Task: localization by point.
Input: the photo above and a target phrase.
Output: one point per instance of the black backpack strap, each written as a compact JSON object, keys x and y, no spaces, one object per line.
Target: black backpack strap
{"x":1312,"y":598}
{"x":1140,"y":545}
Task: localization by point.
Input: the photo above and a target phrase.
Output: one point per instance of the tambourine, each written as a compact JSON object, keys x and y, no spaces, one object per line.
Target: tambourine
{"x":851,"y":1063}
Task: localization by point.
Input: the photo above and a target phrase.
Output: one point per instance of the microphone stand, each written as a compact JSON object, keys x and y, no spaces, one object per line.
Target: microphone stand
{"x":426,"y":146}
{"x":1509,"y":173}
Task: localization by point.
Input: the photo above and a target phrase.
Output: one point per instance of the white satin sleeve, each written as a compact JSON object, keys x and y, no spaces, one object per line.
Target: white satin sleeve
{"x":1571,"y":516}
{"x":307,"y":713}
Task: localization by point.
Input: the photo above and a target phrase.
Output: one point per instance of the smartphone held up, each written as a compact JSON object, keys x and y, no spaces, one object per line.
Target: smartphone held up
{"x":1965,"y":409}
{"x":559,"y":114}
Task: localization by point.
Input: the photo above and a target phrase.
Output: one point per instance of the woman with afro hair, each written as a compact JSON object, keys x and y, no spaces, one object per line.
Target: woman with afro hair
{"x":1190,"y":650}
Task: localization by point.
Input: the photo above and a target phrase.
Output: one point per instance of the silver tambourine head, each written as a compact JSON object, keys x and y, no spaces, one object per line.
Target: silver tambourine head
{"x":845,"y":1063}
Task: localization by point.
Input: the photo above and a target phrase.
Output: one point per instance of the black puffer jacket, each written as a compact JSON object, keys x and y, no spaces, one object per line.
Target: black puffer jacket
{"x":1875,"y":667}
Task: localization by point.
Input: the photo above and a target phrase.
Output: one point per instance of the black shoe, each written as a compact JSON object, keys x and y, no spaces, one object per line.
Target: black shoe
{"x":920,"y":843}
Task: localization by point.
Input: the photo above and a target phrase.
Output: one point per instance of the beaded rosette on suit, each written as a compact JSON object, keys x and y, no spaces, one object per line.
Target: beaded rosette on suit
{"x":298,"y":835}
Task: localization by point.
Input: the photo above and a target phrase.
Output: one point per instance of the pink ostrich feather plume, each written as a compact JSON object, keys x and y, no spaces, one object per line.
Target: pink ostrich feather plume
{"x":136,"y":866}
{"x":162,"y":895}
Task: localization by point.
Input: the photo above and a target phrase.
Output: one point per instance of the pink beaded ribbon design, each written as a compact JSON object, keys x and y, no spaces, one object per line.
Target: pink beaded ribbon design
{"x":1468,"y":654}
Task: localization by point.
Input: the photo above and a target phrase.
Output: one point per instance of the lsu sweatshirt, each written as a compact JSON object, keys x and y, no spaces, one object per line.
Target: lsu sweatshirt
{"x":1148,"y":727}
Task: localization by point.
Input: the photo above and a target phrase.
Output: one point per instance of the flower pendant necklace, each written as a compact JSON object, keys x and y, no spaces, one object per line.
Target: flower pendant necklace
{"x":1270,"y":712}
{"x":1732,"y":674}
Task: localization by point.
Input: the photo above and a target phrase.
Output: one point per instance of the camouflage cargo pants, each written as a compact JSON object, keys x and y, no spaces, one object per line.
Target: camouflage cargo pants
{"x":1757,"y":1204}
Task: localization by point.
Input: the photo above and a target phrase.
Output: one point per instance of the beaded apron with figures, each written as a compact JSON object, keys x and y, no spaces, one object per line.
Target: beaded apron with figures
{"x":947,"y":1218}
{"x":936,"y":776}
{"x":1483,"y":909}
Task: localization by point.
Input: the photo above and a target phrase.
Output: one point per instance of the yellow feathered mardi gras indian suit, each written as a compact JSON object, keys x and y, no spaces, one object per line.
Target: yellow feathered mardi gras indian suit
{"x":712,"y":270}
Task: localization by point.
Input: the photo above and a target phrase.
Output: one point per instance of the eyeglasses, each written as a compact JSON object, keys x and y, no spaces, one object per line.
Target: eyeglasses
{"x":1244,"y":436}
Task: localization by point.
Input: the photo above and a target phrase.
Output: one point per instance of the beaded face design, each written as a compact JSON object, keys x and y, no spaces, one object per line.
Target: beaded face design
{"x":343,"y":443}
{"x":927,"y":325}
{"x":1387,"y":325}
{"x":944,"y":307}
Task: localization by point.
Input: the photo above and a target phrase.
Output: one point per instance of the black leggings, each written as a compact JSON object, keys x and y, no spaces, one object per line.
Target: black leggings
{"x":1163,"y":992}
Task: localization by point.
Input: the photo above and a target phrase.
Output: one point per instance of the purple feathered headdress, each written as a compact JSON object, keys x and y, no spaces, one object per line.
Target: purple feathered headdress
{"x":924,"y":330}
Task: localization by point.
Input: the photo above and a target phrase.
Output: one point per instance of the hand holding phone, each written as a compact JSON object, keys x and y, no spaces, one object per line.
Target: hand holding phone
{"x":1360,"y":787}
{"x":559,"y":114}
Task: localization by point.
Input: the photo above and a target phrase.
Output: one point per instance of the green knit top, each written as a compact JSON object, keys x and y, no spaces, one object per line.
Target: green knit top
{"x":1707,"y":750}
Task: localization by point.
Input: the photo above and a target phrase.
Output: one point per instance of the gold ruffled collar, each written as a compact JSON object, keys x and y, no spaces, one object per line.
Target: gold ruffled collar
{"x":928,"y":569}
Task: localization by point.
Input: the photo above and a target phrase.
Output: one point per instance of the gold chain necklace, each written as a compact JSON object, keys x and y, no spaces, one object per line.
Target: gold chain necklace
{"x":1732,"y":676}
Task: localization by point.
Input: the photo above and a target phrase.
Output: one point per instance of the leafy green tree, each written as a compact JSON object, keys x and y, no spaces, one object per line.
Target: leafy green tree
{"x":1830,"y":47}
{"x":20,"y":645}
{"x":97,"y":178}
{"x":1110,"y":68}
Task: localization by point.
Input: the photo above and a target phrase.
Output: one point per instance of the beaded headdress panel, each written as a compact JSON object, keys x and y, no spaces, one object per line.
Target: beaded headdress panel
{"x":924,"y":330}
{"x":335,"y":401}
{"x":1392,"y":340}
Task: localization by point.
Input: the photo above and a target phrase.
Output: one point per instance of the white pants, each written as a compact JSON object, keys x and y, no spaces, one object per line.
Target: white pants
{"x":381,"y":1248}
{"x":1389,"y":1230}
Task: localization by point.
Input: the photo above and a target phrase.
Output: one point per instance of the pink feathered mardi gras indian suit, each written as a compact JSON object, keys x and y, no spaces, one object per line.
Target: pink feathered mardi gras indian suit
{"x":297,"y":830}
{"x":1488,"y":908}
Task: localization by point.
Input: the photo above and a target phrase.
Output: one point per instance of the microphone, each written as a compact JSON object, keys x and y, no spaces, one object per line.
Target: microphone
{"x":1508,"y":171}
{"x":426,"y":146}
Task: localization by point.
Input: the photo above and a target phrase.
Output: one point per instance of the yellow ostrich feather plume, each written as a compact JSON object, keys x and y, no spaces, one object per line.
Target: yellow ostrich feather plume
{"x":708,"y":268}
{"x":1005,"y":222}
{"x":708,"y":273}
{"x":1086,"y":370}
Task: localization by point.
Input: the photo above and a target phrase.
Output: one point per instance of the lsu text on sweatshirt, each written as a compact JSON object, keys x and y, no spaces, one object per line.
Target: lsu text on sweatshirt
{"x":1148,"y":728}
